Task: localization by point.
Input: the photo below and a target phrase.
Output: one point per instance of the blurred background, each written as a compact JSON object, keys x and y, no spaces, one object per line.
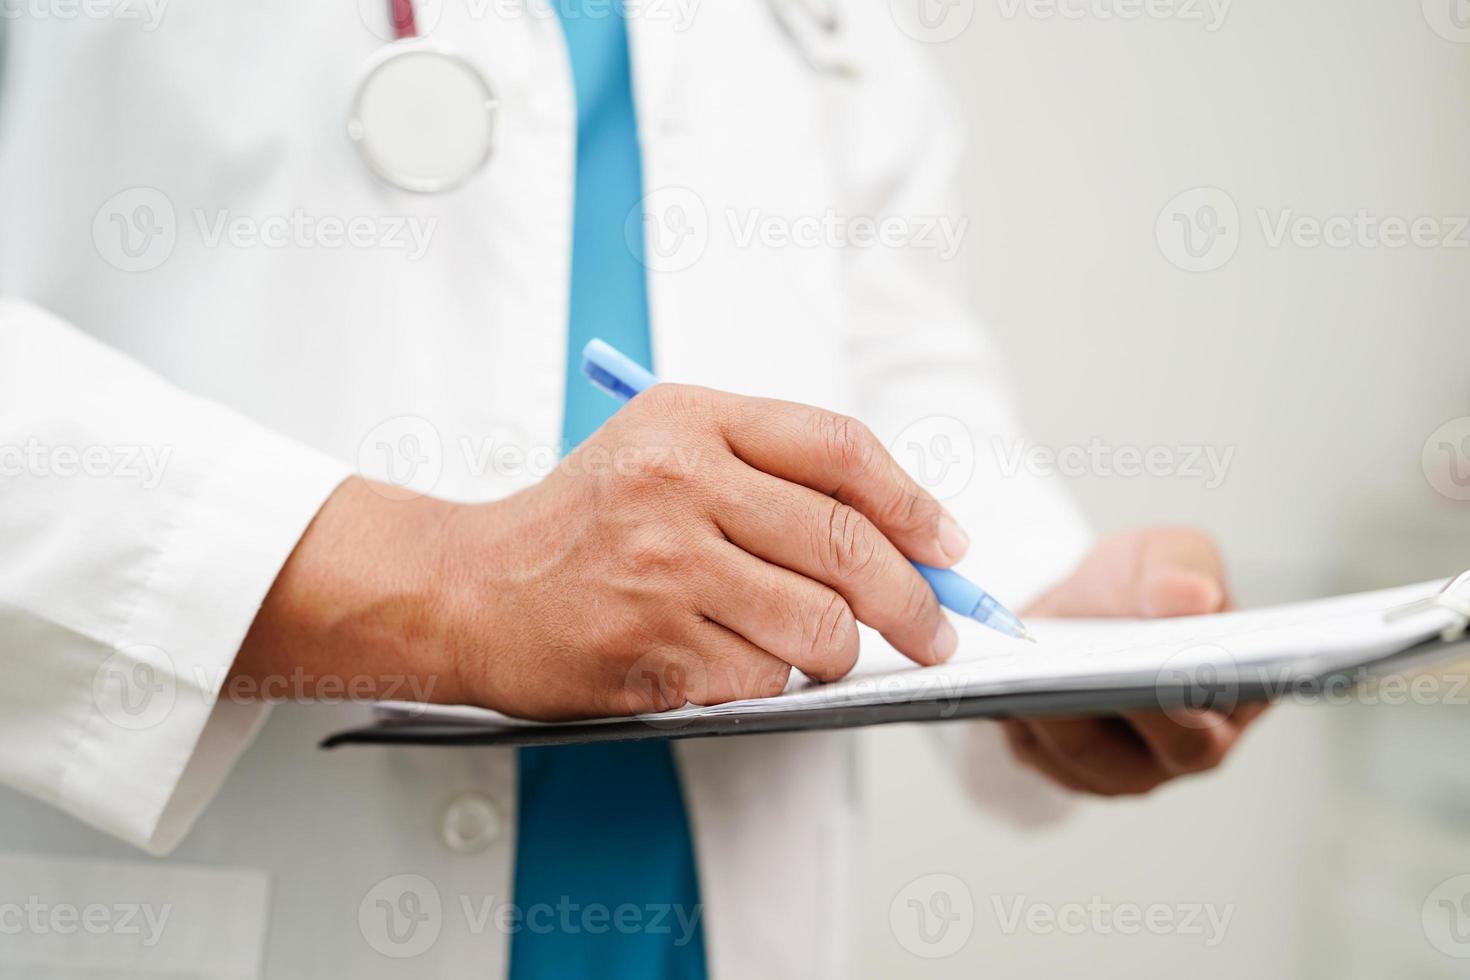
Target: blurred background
{"x":1144,"y":181}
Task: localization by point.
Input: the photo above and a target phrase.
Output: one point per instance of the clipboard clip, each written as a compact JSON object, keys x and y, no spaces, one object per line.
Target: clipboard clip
{"x":1455,"y":596}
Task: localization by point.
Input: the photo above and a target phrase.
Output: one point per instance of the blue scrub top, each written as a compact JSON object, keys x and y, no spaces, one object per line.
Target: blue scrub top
{"x":605,"y":876}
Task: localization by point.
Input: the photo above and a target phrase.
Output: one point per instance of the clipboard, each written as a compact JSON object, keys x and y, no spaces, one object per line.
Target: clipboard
{"x":1377,"y":636}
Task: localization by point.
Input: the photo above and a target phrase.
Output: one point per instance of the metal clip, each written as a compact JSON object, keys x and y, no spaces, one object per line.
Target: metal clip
{"x":1455,"y":596}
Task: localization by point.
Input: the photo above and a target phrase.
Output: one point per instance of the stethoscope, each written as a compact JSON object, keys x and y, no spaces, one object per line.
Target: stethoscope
{"x":423,"y":116}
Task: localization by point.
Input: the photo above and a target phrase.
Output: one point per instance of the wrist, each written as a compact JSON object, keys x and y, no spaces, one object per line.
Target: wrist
{"x":354,"y":608}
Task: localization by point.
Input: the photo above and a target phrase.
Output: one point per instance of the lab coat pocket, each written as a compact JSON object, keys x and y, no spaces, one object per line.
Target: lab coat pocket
{"x":65,"y":917}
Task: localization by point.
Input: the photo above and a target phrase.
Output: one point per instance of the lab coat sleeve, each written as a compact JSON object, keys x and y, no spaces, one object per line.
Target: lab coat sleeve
{"x":931,"y":385}
{"x":141,"y":529}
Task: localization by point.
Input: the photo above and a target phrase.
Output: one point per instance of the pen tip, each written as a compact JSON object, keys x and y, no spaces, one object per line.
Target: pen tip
{"x":1025,"y":635}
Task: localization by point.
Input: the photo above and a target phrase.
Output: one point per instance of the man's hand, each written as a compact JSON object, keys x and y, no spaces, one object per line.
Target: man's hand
{"x":1145,"y":573}
{"x":698,"y":547}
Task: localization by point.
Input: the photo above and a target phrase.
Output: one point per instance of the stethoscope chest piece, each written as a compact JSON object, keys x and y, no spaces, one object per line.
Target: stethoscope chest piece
{"x":423,"y":118}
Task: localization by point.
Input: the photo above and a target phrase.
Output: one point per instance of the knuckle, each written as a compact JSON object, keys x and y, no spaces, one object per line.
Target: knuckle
{"x":654,"y":465}
{"x":746,"y":681}
{"x":919,"y":606}
{"x":850,"y":547}
{"x":642,"y":465}
{"x":771,"y":681}
{"x":827,"y":638}
{"x":644,"y":701}
{"x":848,"y":442}
{"x":656,"y":684}
{"x":909,"y":510}
{"x":656,"y":555}
{"x":1198,"y":751}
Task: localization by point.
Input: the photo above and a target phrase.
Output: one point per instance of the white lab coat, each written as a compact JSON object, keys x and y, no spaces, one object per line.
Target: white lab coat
{"x":231,"y":385}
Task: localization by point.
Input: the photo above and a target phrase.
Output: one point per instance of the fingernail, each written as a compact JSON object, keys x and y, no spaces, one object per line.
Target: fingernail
{"x":953,"y":540}
{"x":1174,"y":592}
{"x":946,"y":640}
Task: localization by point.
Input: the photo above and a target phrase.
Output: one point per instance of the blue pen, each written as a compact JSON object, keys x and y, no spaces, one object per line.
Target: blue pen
{"x":622,"y":377}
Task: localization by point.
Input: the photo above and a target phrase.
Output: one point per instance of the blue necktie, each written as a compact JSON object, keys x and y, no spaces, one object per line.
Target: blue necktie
{"x":602,"y":829}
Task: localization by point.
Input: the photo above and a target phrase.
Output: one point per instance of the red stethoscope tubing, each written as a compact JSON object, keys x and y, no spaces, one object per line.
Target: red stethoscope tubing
{"x":401,"y":12}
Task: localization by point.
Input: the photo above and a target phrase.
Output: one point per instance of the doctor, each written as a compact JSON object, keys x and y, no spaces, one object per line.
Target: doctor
{"x":280,"y":435}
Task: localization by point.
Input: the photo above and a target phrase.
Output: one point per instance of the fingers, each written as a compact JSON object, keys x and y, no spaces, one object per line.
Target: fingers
{"x":1132,"y":754}
{"x":1025,"y":746}
{"x":1094,"y":755}
{"x":1180,"y":573}
{"x":734,"y":669}
{"x":838,"y":456}
{"x":834,"y":544}
{"x":710,"y":665}
{"x":1168,"y":592}
{"x":1149,"y":572}
{"x":1197,"y":746}
{"x":791,"y":617}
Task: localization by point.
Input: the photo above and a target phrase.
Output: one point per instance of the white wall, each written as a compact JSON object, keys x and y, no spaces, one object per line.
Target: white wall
{"x":1323,"y":370}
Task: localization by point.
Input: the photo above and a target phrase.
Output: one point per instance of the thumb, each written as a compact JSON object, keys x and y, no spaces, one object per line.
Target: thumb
{"x":1180,"y":573}
{"x":1175,"y":592}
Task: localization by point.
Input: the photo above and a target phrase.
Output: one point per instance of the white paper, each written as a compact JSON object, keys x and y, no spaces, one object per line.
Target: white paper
{"x":1277,"y":646}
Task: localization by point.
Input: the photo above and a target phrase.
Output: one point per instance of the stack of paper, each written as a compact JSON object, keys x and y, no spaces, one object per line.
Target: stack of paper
{"x":1272,"y":649}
